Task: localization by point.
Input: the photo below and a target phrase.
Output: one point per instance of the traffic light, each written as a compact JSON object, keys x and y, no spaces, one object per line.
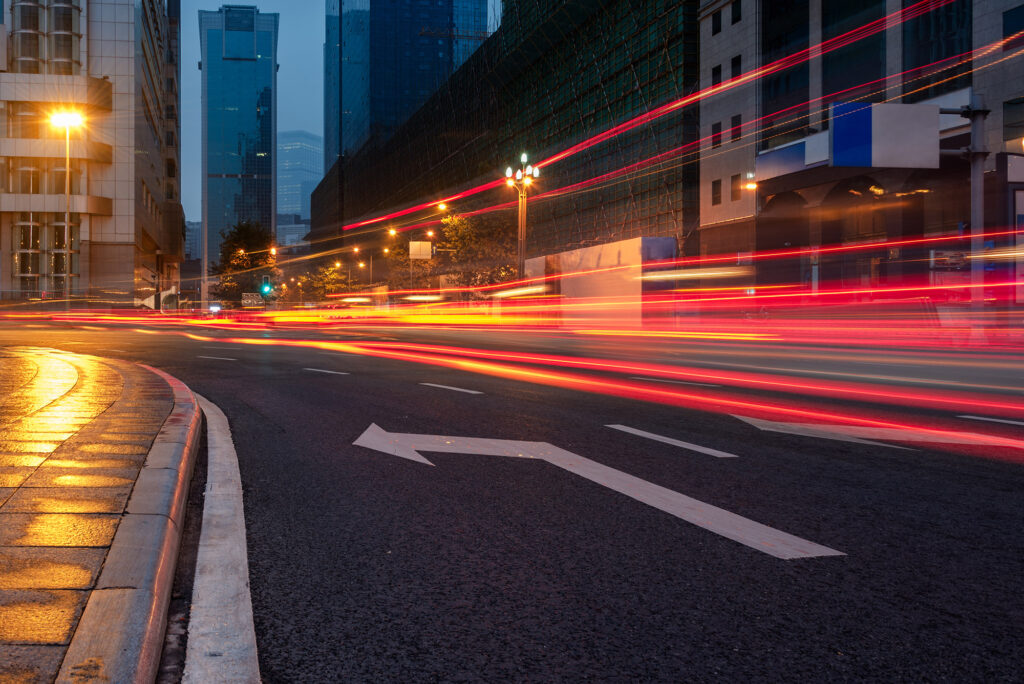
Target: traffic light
{"x":266,"y":288}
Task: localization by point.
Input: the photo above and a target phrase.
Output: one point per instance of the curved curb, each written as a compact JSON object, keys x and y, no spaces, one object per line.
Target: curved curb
{"x":121,"y":633}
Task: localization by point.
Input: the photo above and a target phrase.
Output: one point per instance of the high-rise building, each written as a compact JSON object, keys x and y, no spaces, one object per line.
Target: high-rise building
{"x":382,"y":61}
{"x":546,"y":83}
{"x":239,"y":96}
{"x":300,"y":158}
{"x":116,"y":64}
{"x":775,"y":171}
{"x":193,"y":240}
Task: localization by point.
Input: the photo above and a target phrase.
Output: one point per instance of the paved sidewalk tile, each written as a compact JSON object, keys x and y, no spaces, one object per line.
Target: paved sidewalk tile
{"x":74,"y":434}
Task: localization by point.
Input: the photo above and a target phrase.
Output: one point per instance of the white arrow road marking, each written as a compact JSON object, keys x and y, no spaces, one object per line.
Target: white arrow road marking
{"x":449,"y":387}
{"x":321,"y":370}
{"x":860,"y":433}
{"x":217,"y":358}
{"x":743,"y":530}
{"x":674,"y":442}
{"x":994,"y":420}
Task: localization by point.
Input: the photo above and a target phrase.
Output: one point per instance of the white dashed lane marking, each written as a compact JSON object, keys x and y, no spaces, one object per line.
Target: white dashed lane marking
{"x":674,"y":382}
{"x":995,"y":420}
{"x":675,"y":442}
{"x":448,"y":387}
{"x":217,"y":358}
{"x":321,"y":370}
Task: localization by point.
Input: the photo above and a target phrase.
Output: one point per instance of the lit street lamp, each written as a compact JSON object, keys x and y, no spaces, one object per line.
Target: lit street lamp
{"x":521,"y":180}
{"x":67,"y":120}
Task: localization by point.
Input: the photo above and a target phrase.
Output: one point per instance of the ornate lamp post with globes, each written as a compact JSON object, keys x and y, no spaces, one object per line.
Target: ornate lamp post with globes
{"x":521,"y":180}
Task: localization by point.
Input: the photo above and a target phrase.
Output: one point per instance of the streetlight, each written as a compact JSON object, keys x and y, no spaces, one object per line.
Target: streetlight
{"x":67,"y":120}
{"x":521,"y":180}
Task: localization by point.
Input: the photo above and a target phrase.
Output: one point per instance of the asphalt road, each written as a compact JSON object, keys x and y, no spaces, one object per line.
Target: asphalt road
{"x":370,"y":567}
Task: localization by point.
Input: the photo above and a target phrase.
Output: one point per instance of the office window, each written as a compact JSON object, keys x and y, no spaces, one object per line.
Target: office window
{"x":716,"y":191}
{"x":737,"y":11}
{"x":942,"y":33}
{"x":734,"y":187}
{"x":1013,"y":119}
{"x":846,"y":69}
{"x":736,"y":124}
{"x":716,"y":75}
{"x":716,"y":22}
{"x":1013,"y":23}
{"x":736,"y":66}
{"x":716,"y":134}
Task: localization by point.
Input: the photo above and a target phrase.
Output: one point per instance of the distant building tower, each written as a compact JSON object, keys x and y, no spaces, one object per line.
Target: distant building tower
{"x":193,"y":240}
{"x":239,"y":97}
{"x":300,"y":160}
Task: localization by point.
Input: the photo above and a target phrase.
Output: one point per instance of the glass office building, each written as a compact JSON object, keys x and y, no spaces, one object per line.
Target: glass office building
{"x":239,"y":96}
{"x":551,"y":76}
{"x":383,"y":60}
{"x":300,"y":158}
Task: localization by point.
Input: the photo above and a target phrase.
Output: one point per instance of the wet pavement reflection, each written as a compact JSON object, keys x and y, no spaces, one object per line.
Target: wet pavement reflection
{"x":74,"y":433}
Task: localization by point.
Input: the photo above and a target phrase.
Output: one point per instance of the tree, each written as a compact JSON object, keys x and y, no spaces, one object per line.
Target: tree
{"x":404,"y":273}
{"x":476,"y":252}
{"x":245,"y":257}
{"x":314,"y":286}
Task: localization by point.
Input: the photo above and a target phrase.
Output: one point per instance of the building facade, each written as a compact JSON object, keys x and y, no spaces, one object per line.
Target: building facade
{"x":116,"y":64}
{"x":193,"y":240}
{"x":382,"y":61}
{"x":239,"y":113}
{"x":300,"y":158}
{"x":551,"y":78}
{"x":775,"y":173}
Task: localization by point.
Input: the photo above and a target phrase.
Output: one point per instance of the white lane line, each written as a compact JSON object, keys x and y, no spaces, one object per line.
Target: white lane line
{"x":448,"y":387}
{"x":321,"y":370}
{"x":119,"y":351}
{"x":668,"y":440}
{"x":217,"y":358}
{"x":994,"y":420}
{"x":221,"y":634}
{"x":674,"y":382}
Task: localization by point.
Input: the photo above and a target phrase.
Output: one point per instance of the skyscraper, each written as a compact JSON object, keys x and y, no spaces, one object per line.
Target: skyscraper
{"x":300,"y":160}
{"x":123,"y":240}
{"x":383,"y":60}
{"x":239,"y":94}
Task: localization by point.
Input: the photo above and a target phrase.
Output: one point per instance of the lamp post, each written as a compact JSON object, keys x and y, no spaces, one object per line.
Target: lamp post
{"x":521,"y":180}
{"x":67,"y":120}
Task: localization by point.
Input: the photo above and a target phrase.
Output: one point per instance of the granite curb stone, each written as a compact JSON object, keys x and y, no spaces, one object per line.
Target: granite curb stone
{"x":121,"y":632}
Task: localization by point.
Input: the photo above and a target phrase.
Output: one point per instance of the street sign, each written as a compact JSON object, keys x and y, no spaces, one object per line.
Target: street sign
{"x":743,"y":530}
{"x":421,"y":249}
{"x":252,"y":300}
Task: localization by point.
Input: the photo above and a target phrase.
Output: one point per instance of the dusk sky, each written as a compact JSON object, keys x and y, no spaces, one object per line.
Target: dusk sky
{"x":299,"y":82}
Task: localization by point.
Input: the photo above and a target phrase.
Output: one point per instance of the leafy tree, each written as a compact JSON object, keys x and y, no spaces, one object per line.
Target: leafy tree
{"x":404,"y":273}
{"x":476,"y":252}
{"x":245,"y":258}
{"x":314,"y":286}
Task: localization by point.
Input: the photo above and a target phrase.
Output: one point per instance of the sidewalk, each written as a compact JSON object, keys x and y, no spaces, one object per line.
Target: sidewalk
{"x":95,"y":459}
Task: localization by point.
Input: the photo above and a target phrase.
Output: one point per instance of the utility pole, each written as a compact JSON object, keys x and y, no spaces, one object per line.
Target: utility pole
{"x":976,"y":153}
